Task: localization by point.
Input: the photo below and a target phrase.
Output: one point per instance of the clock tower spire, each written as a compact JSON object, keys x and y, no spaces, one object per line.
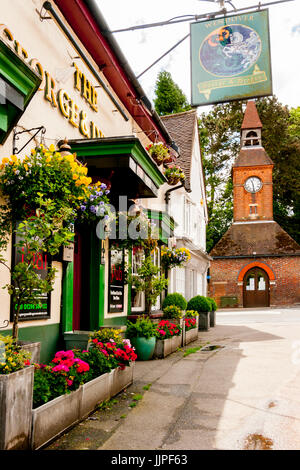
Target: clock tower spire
{"x":252,"y":173}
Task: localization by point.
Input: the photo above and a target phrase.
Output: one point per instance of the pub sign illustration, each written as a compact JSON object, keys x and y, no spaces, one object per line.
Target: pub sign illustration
{"x":230,"y":58}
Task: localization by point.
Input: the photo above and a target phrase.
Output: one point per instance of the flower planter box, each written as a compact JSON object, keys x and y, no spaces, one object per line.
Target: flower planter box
{"x":94,"y":392}
{"x":165,"y":347}
{"x":33,"y":348}
{"x":58,"y":415}
{"x":192,"y":334}
{"x":16,"y":391}
{"x":121,"y":379}
{"x":204,"y":321}
{"x":76,"y":339}
{"x":55,"y":417}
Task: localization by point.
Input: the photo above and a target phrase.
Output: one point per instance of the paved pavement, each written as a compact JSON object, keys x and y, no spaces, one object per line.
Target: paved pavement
{"x":243,"y":395}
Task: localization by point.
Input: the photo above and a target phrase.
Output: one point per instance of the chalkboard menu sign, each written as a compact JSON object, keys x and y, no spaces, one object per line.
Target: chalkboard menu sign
{"x":41,"y":261}
{"x":116,"y":280}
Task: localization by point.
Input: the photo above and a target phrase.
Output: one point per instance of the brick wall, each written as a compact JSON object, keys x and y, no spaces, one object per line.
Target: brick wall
{"x":284,"y":289}
{"x":263,"y":198}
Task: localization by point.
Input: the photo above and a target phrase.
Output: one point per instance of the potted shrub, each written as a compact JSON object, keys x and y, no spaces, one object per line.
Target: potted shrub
{"x":191,"y":324}
{"x":168,"y":336}
{"x":16,"y":385}
{"x":212,"y":313}
{"x":201,"y":305}
{"x":142,"y":335}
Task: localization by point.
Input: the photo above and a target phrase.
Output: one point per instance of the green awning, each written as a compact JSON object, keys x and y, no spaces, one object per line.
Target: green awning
{"x":18,"y":84}
{"x":124,"y":162}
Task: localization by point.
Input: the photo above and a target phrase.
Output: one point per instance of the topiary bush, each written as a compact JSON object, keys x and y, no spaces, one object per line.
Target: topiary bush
{"x":213,"y":304}
{"x":175,"y":299}
{"x":199,"y":303}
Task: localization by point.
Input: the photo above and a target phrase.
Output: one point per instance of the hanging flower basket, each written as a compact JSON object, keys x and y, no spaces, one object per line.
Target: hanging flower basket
{"x":159,"y":152}
{"x":174,"y":174}
{"x":175,"y":257}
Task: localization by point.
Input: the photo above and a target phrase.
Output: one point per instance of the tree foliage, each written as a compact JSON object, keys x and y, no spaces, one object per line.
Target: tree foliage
{"x":220,"y":141}
{"x":169,"y":97}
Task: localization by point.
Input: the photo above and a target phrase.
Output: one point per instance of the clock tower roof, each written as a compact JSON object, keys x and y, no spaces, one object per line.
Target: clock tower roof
{"x":252,"y":156}
{"x":251,"y":118}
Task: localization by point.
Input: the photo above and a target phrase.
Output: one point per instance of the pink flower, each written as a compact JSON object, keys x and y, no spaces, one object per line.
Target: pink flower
{"x":69,"y":382}
{"x":162,"y":332}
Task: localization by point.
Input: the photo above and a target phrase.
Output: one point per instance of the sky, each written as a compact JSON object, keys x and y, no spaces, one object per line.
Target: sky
{"x":142,"y":47}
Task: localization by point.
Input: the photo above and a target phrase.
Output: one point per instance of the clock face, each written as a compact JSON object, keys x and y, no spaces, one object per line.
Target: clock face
{"x":253,"y":184}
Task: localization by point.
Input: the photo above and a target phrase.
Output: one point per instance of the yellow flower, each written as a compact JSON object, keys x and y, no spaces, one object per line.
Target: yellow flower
{"x":52,"y":148}
{"x":75,"y":177}
{"x":5,"y":160}
{"x":48,"y":159}
{"x":33,"y":152}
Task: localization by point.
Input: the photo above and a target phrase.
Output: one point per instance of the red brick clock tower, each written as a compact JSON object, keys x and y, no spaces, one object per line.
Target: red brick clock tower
{"x":256,"y":263}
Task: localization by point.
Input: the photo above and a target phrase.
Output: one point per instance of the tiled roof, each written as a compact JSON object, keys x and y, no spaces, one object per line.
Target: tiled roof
{"x":181,"y":127}
{"x":255,"y":238}
{"x":252,"y":156}
{"x":251,"y":118}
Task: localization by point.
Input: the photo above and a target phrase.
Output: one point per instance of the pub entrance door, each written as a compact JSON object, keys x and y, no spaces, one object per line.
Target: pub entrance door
{"x":81,"y":283}
{"x":256,"y":288}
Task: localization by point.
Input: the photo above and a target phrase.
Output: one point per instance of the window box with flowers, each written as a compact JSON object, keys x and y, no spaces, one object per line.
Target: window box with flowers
{"x":168,"y":338}
{"x":191,"y":321}
{"x":16,"y":382}
{"x":68,"y":390}
{"x":174,"y":174}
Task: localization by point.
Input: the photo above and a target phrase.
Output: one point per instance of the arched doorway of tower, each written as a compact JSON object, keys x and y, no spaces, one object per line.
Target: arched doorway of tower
{"x":256,"y":288}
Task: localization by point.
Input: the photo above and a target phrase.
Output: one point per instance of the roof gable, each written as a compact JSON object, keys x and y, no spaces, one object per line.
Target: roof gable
{"x":182,"y":128}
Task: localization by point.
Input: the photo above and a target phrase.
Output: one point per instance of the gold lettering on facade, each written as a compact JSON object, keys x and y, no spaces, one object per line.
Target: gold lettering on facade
{"x":20,"y":50}
{"x":37,"y":67}
{"x":63,"y":103}
{"x":95,"y":132}
{"x":83,"y":124}
{"x":50,"y":89}
{"x":74,"y":114}
{"x":84,"y":86}
{"x":5,"y":33}
{"x":78,"y":75}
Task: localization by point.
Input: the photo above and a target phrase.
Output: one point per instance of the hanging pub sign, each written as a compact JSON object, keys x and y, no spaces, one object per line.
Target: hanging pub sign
{"x":230,"y":58}
{"x":116,"y":280}
{"x":41,"y":262}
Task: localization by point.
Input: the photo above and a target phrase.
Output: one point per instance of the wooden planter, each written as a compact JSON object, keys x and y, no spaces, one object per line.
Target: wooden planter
{"x":165,"y":347}
{"x":192,"y":334}
{"x":16,"y":391}
{"x":76,"y":339}
{"x":33,"y":348}
{"x":55,"y":417}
